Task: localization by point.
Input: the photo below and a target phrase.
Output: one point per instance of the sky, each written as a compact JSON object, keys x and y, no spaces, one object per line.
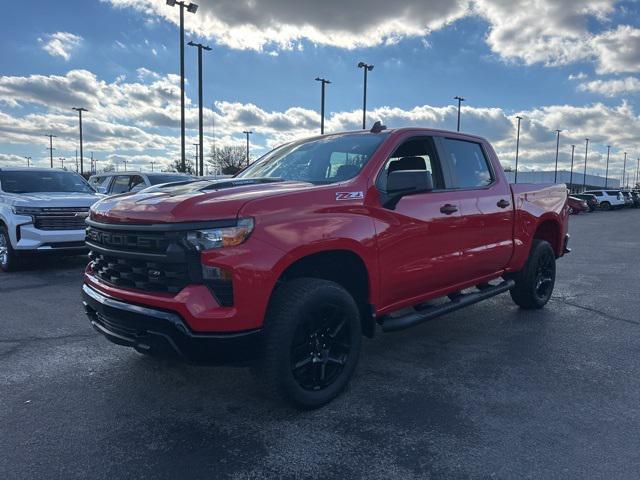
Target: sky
{"x":570,"y":65}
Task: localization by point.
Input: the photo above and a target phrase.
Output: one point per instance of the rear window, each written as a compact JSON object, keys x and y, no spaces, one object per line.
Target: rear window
{"x":157,"y":179}
{"x":469,"y":164}
{"x":613,"y":193}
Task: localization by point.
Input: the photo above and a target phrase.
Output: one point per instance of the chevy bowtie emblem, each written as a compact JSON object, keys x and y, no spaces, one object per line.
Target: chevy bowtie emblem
{"x":154,"y":273}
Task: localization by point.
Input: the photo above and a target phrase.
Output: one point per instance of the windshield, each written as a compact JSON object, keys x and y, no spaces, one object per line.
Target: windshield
{"x":157,"y":179}
{"x":324,"y":160}
{"x":43,"y":181}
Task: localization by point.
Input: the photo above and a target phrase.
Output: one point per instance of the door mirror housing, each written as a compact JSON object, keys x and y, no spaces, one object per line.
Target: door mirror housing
{"x":405,"y":182}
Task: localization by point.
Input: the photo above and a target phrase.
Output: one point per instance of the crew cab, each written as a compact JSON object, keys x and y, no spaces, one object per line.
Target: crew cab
{"x":320,"y":242}
{"x":42,"y":211}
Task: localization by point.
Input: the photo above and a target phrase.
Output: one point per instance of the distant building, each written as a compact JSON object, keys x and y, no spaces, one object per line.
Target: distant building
{"x":593,"y":181}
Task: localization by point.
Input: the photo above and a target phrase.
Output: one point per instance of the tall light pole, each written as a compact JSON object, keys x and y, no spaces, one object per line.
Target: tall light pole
{"x":28,"y":159}
{"x":624,"y":170}
{"x":51,"y":149}
{"x":515,"y":180}
{"x":637,"y":168}
{"x":191,"y":8}
{"x":606,"y":174}
{"x":555,"y":177}
{"x":247,"y":133}
{"x":197,"y":156}
{"x":584,"y":175}
{"x":367,"y":68}
{"x":460,"y":100}
{"x":62,"y":159}
{"x":324,"y":82}
{"x":152,"y":162}
{"x":80,"y":110}
{"x":200,"y":47}
{"x":573,"y":150}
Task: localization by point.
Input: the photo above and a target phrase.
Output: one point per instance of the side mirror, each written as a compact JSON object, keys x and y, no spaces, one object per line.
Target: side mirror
{"x":405,"y":182}
{"x":102,"y":190}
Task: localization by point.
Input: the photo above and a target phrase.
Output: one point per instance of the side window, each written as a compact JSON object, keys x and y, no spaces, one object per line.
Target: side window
{"x":415,"y":154}
{"x":93,"y":181}
{"x":469,"y":165}
{"x":137,"y":183}
{"x":597,"y":194}
{"x":120,"y":184}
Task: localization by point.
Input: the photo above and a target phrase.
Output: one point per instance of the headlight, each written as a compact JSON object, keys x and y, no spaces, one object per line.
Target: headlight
{"x":221,"y":237}
{"x":26,"y":210}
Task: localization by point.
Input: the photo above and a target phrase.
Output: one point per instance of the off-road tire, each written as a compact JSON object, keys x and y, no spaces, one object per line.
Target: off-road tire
{"x":534,"y":284}
{"x":297,"y":307}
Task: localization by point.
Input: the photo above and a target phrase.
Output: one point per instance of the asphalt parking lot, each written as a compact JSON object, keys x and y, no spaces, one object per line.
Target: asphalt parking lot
{"x":490,"y":391}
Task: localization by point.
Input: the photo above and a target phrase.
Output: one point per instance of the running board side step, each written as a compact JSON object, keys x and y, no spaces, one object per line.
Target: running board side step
{"x":393,"y":324}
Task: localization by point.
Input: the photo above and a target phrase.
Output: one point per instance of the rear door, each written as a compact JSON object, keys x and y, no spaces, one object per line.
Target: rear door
{"x":485,"y":208}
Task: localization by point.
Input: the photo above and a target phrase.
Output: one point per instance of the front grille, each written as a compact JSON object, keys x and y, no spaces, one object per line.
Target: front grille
{"x":152,"y":276}
{"x":62,"y":218}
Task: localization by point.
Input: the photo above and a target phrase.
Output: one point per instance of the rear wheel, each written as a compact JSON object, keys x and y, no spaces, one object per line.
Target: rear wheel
{"x":605,"y":206}
{"x":312,"y":342}
{"x":534,"y":284}
{"x":8,"y":256}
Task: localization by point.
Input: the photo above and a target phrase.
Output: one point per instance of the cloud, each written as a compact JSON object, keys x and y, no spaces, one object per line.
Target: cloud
{"x":612,"y":87}
{"x":618,"y":50}
{"x":61,"y":44}
{"x":139,"y":119}
{"x":548,"y":32}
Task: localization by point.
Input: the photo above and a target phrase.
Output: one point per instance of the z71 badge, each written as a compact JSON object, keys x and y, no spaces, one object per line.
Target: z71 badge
{"x":349,"y":196}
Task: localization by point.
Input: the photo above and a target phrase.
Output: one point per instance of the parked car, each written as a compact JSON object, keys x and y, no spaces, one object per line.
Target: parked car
{"x":42,"y":211}
{"x":592,"y":200}
{"x":288,"y":264}
{"x":114,"y":183}
{"x":609,"y":199}
{"x":628,"y":198}
{"x":577,"y":205}
{"x":636,"y":199}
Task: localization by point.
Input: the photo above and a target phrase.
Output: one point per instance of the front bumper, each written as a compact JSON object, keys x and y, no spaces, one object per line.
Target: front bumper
{"x":28,"y":237}
{"x":164,"y":333}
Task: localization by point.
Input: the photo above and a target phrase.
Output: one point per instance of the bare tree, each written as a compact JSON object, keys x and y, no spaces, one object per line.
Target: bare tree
{"x":176,"y":166}
{"x":229,"y":160}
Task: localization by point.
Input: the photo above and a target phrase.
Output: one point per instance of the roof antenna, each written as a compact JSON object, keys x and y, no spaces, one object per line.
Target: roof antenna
{"x":378,"y":127}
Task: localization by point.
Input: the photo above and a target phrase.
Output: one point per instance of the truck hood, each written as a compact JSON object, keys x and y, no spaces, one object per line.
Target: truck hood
{"x":189,"y":201}
{"x":52,"y":199}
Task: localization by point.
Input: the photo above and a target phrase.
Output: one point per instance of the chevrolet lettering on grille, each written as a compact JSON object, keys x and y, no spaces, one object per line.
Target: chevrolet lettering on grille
{"x":123,"y":240}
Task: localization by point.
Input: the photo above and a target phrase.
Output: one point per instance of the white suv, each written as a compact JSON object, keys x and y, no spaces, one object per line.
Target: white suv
{"x":113,"y":183}
{"x":42,"y":210}
{"x":608,"y":199}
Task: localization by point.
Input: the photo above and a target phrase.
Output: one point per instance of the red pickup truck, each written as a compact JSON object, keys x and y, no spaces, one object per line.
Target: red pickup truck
{"x":321,"y":241}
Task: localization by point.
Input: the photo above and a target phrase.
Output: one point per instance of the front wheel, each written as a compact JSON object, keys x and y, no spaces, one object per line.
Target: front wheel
{"x":312,"y":342}
{"x":534,"y":284}
{"x":8,"y":256}
{"x":605,"y":206}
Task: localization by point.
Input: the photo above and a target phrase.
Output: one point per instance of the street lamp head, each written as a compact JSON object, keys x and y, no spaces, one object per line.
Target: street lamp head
{"x":365,"y":65}
{"x":191,"y":44}
{"x":171,"y":3}
{"x":460,"y":99}
{"x":192,"y":8}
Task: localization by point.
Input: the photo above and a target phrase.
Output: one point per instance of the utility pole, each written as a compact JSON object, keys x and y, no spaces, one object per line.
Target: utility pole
{"x":247,"y":133}
{"x":51,"y":149}
{"x":584,"y":175}
{"x":191,"y":8}
{"x":624,"y":170}
{"x":323,"y":82}
{"x":367,"y":68}
{"x":606,"y":175}
{"x":200,"y":48}
{"x":573,"y":150}
{"x":517,"y":149}
{"x":80,"y":110}
{"x":555,"y":177}
{"x":460,"y":100}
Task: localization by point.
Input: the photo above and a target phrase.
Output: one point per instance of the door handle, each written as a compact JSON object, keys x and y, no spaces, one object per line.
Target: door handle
{"x":503,"y":203}
{"x":448,"y":209}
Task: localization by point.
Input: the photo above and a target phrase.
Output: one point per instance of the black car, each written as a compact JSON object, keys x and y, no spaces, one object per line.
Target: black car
{"x":592,"y":200}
